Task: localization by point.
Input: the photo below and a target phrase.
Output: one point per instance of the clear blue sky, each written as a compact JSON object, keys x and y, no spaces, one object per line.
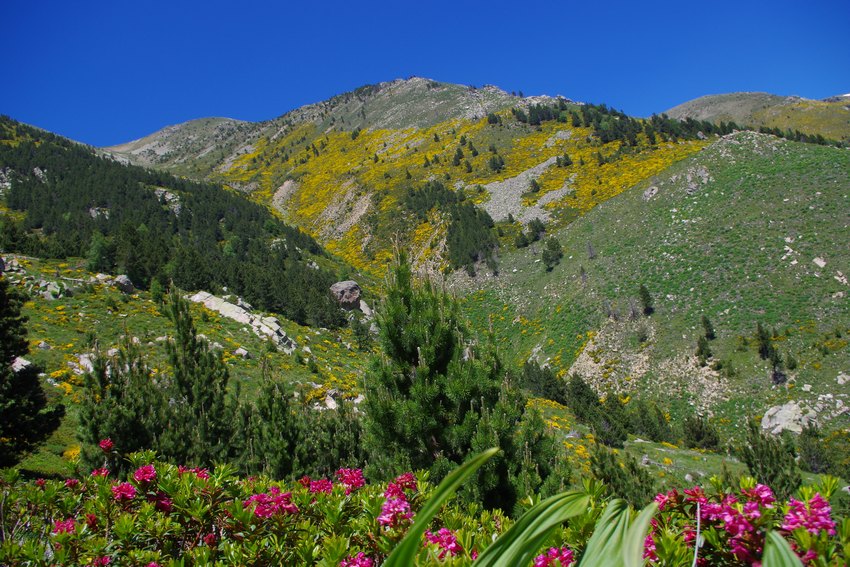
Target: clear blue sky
{"x":108,"y":72}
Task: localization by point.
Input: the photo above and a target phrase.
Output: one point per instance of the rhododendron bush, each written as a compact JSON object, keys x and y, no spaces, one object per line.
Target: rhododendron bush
{"x":162,"y":514}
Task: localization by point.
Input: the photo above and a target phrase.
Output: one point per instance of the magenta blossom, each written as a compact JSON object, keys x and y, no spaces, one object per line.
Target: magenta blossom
{"x":394,"y":512}
{"x":124,"y":491}
{"x":352,"y":479}
{"x":359,"y":560}
{"x":814,"y":517}
{"x":555,"y":557}
{"x":100,"y":561}
{"x":272,"y":503}
{"x":761,"y":494}
{"x":145,"y":474}
{"x":66,"y":527}
{"x":100,"y":472}
{"x":71,"y":483}
{"x":106,"y":445}
{"x":322,"y":485}
{"x":446,"y":541}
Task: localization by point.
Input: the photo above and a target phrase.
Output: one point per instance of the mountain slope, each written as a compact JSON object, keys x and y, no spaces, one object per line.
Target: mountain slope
{"x":830,"y":118}
{"x":752,"y":229}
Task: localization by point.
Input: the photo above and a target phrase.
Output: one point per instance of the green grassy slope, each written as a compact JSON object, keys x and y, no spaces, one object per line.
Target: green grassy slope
{"x":736,"y":233}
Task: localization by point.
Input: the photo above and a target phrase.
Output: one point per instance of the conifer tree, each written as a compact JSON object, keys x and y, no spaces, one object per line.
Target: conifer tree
{"x":771,"y":461}
{"x":23,"y":413}
{"x":432,"y":397}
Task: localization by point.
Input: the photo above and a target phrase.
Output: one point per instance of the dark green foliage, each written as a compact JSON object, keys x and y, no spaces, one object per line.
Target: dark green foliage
{"x":581,"y":398}
{"x":496,"y":163}
{"x":815,"y":456}
{"x":431,"y":398}
{"x":24,"y":415}
{"x":534,"y":186}
{"x":647,"y":421}
{"x":493,"y":118}
{"x":709,"y":328}
{"x":646,"y":300}
{"x":770,"y":461}
{"x":552,"y":254}
{"x":703,"y":351}
{"x":699,"y":433}
{"x":765,"y":346}
{"x":563,"y":161}
{"x":362,"y":335}
{"x":470,"y":237}
{"x":536,"y":228}
{"x":521,"y":240}
{"x":85,"y":205}
{"x":186,"y":415}
{"x":541,"y":382}
{"x":624,"y":478}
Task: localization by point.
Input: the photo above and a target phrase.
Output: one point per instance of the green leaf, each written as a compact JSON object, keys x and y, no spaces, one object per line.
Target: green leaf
{"x":404,"y":554}
{"x":778,"y":553}
{"x":616,"y":541}
{"x":519,"y":544}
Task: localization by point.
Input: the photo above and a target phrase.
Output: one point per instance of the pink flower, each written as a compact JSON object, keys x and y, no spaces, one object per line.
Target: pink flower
{"x":359,"y":560}
{"x":71,"y":483}
{"x":322,"y":485}
{"x":100,"y":561}
{"x":41,"y":483}
{"x":153,"y":564}
{"x":161,"y":502}
{"x":100,"y":472}
{"x":209,"y":540}
{"x":145,"y":474}
{"x":124,"y":491}
{"x":648,"y":548}
{"x":394,"y":512}
{"x":198,"y":471}
{"x":555,"y":557}
{"x":446,"y":541}
{"x":106,"y":445}
{"x":407,"y":481}
{"x":272,"y":503}
{"x":667,"y":499}
{"x":761,"y":494}
{"x":66,"y":527}
{"x":695,"y":494}
{"x":814,"y":517}
{"x":351,"y":479}
{"x":91,"y":521}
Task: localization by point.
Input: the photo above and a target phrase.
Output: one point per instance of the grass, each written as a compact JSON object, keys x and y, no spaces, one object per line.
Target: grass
{"x":718,"y":252}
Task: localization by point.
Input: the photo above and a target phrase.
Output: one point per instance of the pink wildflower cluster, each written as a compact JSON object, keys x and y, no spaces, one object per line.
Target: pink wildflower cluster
{"x":199,"y":472}
{"x":322,"y":485}
{"x":555,"y":557}
{"x":100,"y":472}
{"x":145,"y":474}
{"x":396,"y":508}
{"x":359,"y":560}
{"x":814,"y":518}
{"x":64,"y":527}
{"x":71,"y":483}
{"x":351,"y":479}
{"x":272,"y":503}
{"x":101,"y":561}
{"x":106,"y":445}
{"x":446,"y":540}
{"x":124,"y":491}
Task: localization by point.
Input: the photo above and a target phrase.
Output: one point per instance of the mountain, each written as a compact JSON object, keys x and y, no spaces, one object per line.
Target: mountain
{"x":349,"y":170}
{"x":829,"y":117}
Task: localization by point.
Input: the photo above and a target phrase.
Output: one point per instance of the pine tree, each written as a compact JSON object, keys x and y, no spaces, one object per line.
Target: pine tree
{"x":709,"y":329}
{"x":699,"y":433}
{"x":623,"y":478}
{"x":770,"y":461}
{"x":432,"y":398}
{"x":24,"y":417}
{"x":552,"y":254}
{"x":646,"y":300}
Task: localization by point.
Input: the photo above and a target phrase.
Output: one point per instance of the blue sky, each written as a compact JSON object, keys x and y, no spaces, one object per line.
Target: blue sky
{"x":108,"y":72}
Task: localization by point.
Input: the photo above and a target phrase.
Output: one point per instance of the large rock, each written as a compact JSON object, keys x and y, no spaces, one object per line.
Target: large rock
{"x":123,"y":283}
{"x":347,"y":293}
{"x":787,"y":417}
{"x":266,"y":327}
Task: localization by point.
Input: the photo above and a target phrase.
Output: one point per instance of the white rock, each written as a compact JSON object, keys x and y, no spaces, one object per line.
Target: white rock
{"x":787,"y":417}
{"x":819,"y":262}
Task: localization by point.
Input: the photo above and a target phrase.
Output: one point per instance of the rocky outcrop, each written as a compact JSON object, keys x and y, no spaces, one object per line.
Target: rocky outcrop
{"x":265,"y":327}
{"x":124,"y":284}
{"x":787,"y":417}
{"x":347,"y":294}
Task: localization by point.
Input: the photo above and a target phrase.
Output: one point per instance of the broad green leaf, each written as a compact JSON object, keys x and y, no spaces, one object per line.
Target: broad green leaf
{"x":519,"y":544}
{"x":404,"y":555}
{"x":633,"y":545}
{"x":606,"y":544}
{"x":778,"y":553}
